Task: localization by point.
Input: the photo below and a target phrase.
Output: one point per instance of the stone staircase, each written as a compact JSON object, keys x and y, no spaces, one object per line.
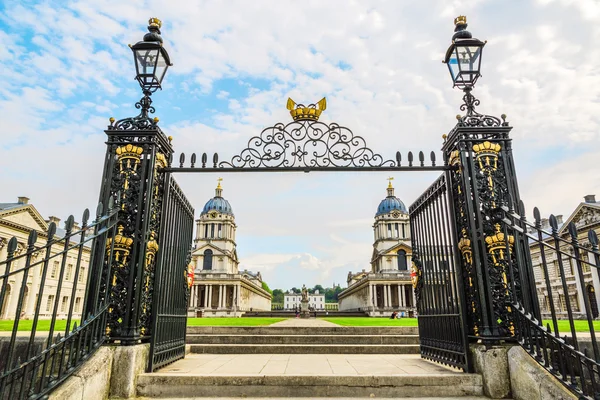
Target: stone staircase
{"x":306,"y":362}
{"x":303,"y":340}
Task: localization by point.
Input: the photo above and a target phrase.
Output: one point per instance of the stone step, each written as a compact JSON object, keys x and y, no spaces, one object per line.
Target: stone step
{"x":284,"y":330}
{"x":301,"y":339}
{"x":305,"y":348}
{"x":313,"y":398}
{"x":170,"y":385}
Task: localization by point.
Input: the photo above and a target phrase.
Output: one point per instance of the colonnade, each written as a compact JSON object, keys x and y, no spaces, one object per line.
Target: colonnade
{"x":391,"y":295}
{"x":219,"y":296}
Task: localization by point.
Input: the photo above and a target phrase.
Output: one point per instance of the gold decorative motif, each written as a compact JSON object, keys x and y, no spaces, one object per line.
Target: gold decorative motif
{"x":454,"y":158}
{"x":390,"y":179}
{"x":460,"y":20}
{"x":122,"y":242}
{"x":498,"y":241}
{"x":161,"y":160}
{"x":129,"y":151}
{"x":312,"y":112}
{"x":190,"y":275}
{"x":155,"y":22}
{"x":152,"y":246}
{"x":415,"y":275}
{"x":464,"y":246}
{"x":486,"y":154}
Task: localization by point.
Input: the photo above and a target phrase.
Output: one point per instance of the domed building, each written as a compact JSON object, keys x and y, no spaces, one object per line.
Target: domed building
{"x":386,"y":287}
{"x":219,"y":289}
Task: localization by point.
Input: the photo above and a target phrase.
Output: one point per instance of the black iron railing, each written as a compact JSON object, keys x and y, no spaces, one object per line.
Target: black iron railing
{"x":564,"y":265}
{"x":59,"y":305}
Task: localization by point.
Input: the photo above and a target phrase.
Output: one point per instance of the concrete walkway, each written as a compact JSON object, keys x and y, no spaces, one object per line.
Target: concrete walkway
{"x":302,"y":322}
{"x":305,"y":364}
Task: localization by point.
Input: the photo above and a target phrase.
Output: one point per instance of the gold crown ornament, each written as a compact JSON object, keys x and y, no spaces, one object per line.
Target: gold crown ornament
{"x":312,"y":112}
{"x":487,"y":148}
{"x":155,"y":22}
{"x":460,"y":20}
{"x":499,"y":240}
{"x":129,"y":152}
{"x":152,"y":246}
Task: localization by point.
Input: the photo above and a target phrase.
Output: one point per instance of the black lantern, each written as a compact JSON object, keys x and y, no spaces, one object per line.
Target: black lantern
{"x":463,"y":57}
{"x":151,"y":58}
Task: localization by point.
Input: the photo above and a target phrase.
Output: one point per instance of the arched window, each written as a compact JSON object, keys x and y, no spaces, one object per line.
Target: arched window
{"x":208,"y":255}
{"x":402,"y":265}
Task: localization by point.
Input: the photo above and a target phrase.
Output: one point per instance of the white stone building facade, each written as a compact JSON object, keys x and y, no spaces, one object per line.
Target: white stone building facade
{"x":219,"y":289}
{"x":386,"y":287}
{"x":18,"y":220}
{"x":291,"y":301}
{"x":586,"y":217}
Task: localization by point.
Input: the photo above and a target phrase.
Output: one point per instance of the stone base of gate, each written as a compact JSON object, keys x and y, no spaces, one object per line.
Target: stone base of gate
{"x":491,"y":362}
{"x":111,"y":372}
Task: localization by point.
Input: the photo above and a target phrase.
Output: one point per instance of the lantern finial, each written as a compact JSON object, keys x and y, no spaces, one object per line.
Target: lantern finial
{"x":460,"y":20}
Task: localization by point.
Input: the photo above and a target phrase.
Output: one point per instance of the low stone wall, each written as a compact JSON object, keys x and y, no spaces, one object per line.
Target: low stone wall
{"x":110,"y":373}
{"x":530,"y":381}
{"x":510,"y":372}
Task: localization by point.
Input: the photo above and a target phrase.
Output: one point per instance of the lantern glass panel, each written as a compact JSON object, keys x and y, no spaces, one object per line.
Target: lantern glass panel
{"x":161,"y":67}
{"x":146,"y":61}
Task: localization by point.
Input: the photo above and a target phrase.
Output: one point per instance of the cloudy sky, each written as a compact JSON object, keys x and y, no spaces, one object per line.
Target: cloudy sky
{"x":65,"y":68}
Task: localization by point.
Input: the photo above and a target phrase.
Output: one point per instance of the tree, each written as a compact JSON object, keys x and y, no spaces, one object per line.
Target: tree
{"x":319,"y":288}
{"x":266,"y":287}
{"x":277,"y":296}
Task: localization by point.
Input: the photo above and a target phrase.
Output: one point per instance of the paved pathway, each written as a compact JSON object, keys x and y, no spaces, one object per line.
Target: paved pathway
{"x":303,"y":322}
{"x":305,"y":364}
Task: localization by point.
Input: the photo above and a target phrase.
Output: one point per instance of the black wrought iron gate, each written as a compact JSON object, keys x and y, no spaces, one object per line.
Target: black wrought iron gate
{"x":169,"y":318}
{"x":436,"y":278}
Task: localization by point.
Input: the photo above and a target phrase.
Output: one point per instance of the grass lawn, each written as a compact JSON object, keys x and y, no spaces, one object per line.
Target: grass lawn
{"x":366,"y":321}
{"x":43,"y":325}
{"x":580,"y":326}
{"x":258,"y":321}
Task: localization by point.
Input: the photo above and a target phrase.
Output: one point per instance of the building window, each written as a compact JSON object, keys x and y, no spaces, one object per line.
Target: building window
{"x":69,"y":271}
{"x":206,"y":231}
{"x":403,"y":231}
{"x":220,"y":234}
{"x":63,"y":305}
{"x":50,"y":303}
{"x":54,"y":270}
{"x":212,"y":230}
{"x":78,"y":304}
{"x":389,"y":226}
{"x":402,"y":264}
{"x":396,"y":233}
{"x":81,"y":274}
{"x":557,"y":269}
{"x":208,"y":260}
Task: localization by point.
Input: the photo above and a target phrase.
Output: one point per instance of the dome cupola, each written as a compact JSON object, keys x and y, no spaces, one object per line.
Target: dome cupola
{"x":391,"y":202}
{"x":217,"y":203}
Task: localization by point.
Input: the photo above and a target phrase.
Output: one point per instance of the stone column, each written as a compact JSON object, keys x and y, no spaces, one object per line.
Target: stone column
{"x":210,"y":292}
{"x":385,"y":296}
{"x":370,"y":291}
{"x":33,"y":290}
{"x":205,"y":296}
{"x":400,"y":297}
{"x":239,"y":298}
{"x":390,"y":301}
{"x":220,"y":303}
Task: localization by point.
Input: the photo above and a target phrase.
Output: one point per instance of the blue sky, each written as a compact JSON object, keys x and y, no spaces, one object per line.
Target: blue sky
{"x":66,"y":68}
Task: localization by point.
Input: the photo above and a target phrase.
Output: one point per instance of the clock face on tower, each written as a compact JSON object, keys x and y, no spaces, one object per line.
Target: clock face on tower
{"x":213,"y":214}
{"x":395,"y":214}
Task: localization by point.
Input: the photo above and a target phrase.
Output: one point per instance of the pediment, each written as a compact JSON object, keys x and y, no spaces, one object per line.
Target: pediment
{"x":216,"y":250}
{"x":584,"y":215}
{"x":27,"y":217}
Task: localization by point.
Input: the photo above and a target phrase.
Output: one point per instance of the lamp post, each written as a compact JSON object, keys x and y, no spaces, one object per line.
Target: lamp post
{"x":151,"y":63}
{"x":463,"y":59}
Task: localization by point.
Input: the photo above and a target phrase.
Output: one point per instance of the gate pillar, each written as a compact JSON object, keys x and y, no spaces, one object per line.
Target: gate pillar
{"x":137,"y":149}
{"x":483,"y":187}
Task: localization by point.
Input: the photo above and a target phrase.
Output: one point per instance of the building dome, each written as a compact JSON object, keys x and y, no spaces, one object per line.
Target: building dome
{"x":390,"y":203}
{"x":217,"y":203}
